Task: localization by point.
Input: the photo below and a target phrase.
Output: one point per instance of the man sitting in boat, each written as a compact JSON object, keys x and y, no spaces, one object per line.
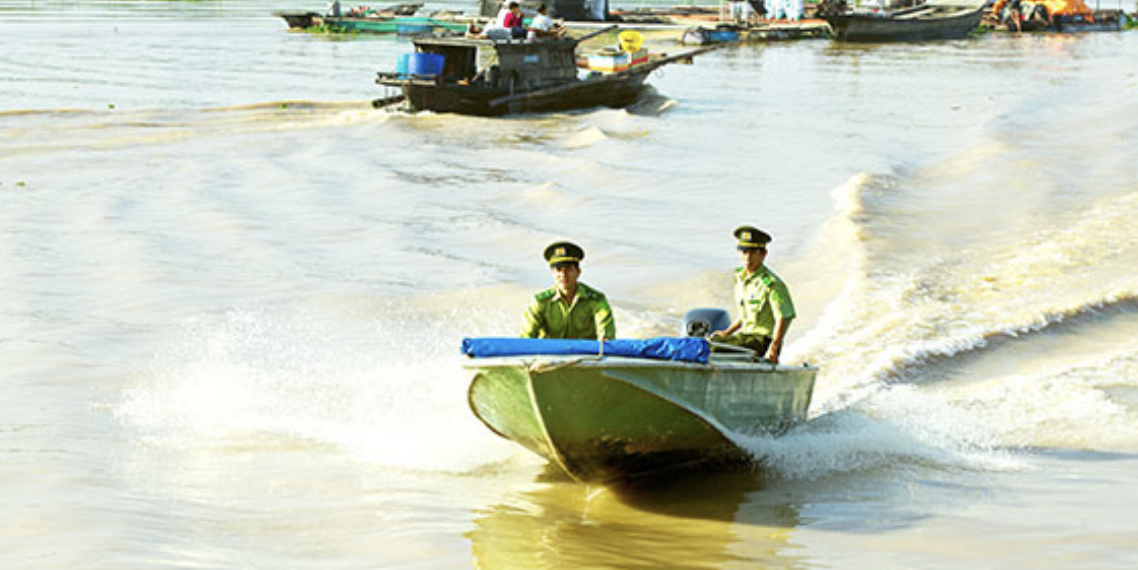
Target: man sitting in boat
{"x":508,"y":25}
{"x":569,"y":309}
{"x":542,"y":26}
{"x":765,"y":308}
{"x":515,"y":21}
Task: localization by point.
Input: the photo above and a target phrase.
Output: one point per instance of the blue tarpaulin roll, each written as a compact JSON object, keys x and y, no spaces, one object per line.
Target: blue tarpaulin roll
{"x":686,"y":349}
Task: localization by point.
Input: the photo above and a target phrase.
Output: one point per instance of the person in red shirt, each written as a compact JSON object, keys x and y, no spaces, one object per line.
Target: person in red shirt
{"x":514,"y":21}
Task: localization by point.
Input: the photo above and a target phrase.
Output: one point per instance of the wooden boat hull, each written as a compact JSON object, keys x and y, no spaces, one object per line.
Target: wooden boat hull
{"x":615,"y":90}
{"x":608,"y":419}
{"x":401,"y":25}
{"x":872,"y":28}
{"x":299,"y":20}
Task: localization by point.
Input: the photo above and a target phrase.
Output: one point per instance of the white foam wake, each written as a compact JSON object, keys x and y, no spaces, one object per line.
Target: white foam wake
{"x":389,"y":391}
{"x":906,"y":300}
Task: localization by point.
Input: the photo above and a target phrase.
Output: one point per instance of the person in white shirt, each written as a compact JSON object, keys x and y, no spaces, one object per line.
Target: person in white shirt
{"x":542,"y":26}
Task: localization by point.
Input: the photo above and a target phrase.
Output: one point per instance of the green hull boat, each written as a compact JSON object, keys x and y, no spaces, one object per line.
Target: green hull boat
{"x":604,"y":419}
{"x":393,"y":24}
{"x":402,"y":25}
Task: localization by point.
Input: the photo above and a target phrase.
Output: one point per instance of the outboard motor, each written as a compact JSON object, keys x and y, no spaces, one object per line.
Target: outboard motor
{"x":703,"y":322}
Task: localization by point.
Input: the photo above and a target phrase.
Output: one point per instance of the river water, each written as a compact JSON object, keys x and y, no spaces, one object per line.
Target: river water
{"x":233,"y":296}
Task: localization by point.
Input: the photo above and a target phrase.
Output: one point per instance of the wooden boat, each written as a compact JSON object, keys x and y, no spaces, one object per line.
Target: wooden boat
{"x":752,"y":32}
{"x":401,"y":25}
{"x":526,"y":77}
{"x":929,"y":21}
{"x":603,"y":419}
{"x":395,"y":19}
{"x":299,"y":20}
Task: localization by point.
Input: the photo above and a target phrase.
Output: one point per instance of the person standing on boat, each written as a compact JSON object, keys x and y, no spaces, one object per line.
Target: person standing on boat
{"x":569,"y":309}
{"x":765,"y":308}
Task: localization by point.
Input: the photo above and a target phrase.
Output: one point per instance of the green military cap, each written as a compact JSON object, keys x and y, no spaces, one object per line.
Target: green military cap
{"x":751,"y":238}
{"x":563,"y":252}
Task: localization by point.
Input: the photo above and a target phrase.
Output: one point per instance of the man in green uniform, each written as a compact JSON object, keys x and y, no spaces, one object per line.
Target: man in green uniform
{"x":569,"y":309}
{"x":765,"y":308}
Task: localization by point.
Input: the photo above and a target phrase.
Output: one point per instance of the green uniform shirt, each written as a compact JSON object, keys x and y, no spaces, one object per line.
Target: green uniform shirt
{"x":761,"y":296}
{"x":549,"y":316}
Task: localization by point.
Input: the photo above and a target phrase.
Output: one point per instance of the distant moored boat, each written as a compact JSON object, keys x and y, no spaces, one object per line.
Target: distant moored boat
{"x":929,"y":21}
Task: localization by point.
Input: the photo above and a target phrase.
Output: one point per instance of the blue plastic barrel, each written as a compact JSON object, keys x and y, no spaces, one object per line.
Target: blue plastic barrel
{"x":425,"y":64}
{"x":723,"y":36}
{"x":402,"y":64}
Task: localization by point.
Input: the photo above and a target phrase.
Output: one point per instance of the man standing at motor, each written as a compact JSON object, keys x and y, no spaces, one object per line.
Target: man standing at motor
{"x":765,"y":308}
{"x":569,"y":309}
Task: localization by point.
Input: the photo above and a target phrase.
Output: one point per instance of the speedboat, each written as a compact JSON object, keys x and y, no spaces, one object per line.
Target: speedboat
{"x":628,"y":408}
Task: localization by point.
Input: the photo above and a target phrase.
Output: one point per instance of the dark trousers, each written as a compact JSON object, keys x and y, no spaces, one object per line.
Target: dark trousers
{"x":756,"y":342}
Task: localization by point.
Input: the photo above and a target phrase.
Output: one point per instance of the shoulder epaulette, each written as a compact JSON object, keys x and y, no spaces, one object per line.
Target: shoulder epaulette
{"x":546,"y":295}
{"x":590,"y":293}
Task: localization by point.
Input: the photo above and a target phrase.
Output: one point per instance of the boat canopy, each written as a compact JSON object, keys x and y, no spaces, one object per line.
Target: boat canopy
{"x":684,"y":349}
